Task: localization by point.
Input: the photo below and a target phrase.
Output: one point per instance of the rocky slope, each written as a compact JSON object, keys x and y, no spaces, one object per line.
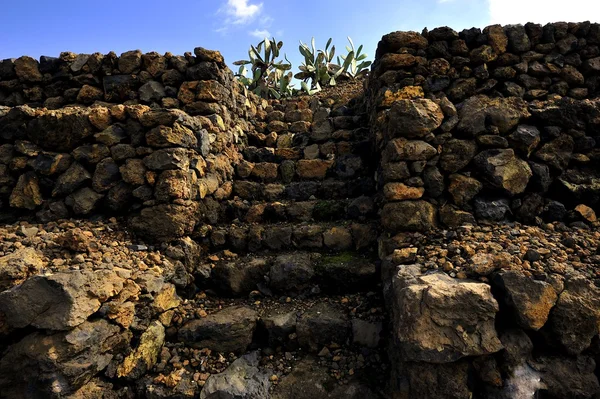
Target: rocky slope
{"x":88,"y":310}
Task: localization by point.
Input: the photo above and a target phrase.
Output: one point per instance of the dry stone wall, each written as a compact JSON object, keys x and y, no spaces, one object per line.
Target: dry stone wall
{"x":284,"y":198}
{"x":154,"y":159}
{"x":170,"y":81}
{"x":493,"y":124}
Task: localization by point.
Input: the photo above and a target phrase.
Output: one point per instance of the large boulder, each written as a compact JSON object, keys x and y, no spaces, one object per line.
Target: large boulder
{"x":13,"y":126}
{"x":394,"y":41}
{"x":525,"y":139}
{"x":564,"y":377}
{"x":18,"y":266}
{"x":529,"y":299}
{"x":496,"y":38}
{"x":578,"y":186}
{"x":165,"y":222}
{"x":241,"y":380}
{"x":83,"y":201}
{"x":130,"y":61}
{"x":118,"y":88}
{"x":503,"y":170}
{"x":50,"y":163}
{"x":575,"y":319}
{"x":518,"y":41}
{"x":413,"y":118}
{"x":91,"y":154}
{"x":106,"y":175}
{"x":152,"y":91}
{"x":433,"y":181}
{"x":71,"y":180}
{"x":451,"y":216}
{"x":172,"y":158}
{"x":478,"y":111}
{"x":27,"y":69}
{"x":112,"y":135}
{"x":55,"y":365}
{"x":438,"y":319}
{"x":229,"y":330}
{"x":176,"y":136}
{"x":567,"y":112}
{"x":174,"y":184}
{"x":491,"y":209}
{"x":59,"y":301}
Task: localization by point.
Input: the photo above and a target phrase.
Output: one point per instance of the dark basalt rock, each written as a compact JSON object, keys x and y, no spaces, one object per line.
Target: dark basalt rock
{"x":229,"y":330}
{"x":61,"y":131}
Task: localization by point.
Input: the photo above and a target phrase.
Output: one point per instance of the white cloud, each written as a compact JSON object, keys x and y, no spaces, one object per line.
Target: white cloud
{"x":543,"y":11}
{"x":241,"y":11}
{"x":260,"y":33}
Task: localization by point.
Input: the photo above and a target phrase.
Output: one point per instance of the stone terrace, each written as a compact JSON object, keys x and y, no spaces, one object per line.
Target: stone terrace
{"x":429,"y":231}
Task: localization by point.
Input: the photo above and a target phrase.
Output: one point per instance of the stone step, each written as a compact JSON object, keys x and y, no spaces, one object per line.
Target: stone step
{"x":345,"y":167}
{"x":302,"y":134}
{"x":297,"y":273}
{"x":292,"y":324}
{"x":339,"y":373}
{"x":361,"y":209}
{"x":279,"y":153}
{"x":322,"y":236}
{"x":304,"y":190}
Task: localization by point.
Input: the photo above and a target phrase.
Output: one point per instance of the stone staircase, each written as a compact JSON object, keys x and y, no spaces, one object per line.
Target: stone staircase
{"x":291,"y":266}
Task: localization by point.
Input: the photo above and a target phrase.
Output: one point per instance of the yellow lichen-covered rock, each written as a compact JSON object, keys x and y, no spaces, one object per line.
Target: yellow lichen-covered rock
{"x":166,"y":299}
{"x":144,"y":357}
{"x":586,"y":212}
{"x":389,"y":96}
{"x":531,"y":300}
{"x":27,"y":193}
{"x":121,"y":313}
{"x":17,"y":266}
{"x":100,"y":117}
{"x":438,"y":319}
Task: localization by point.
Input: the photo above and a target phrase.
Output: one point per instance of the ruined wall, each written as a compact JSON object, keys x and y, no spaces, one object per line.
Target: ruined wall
{"x":152,"y":163}
{"x":170,"y":81}
{"x":487,"y":125}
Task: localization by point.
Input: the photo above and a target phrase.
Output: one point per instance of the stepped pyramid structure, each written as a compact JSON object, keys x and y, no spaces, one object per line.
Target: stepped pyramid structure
{"x":426,"y":232}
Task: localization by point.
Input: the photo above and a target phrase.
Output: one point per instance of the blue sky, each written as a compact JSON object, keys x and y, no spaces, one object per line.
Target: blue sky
{"x":46,"y":27}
